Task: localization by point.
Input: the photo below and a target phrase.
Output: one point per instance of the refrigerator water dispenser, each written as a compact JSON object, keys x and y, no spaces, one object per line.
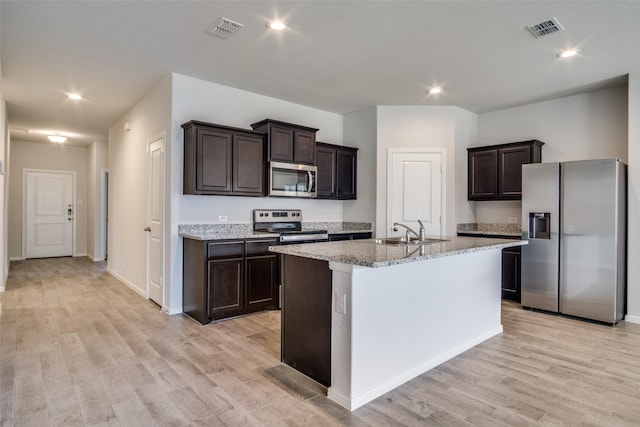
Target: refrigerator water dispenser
{"x":539,"y":225}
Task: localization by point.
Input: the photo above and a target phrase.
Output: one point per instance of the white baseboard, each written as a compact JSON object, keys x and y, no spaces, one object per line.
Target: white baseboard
{"x":632,"y":319}
{"x":84,"y":254}
{"x":172,"y":310}
{"x":16,"y":258}
{"x":1,"y":288}
{"x":133,"y":287}
{"x":95,"y":259}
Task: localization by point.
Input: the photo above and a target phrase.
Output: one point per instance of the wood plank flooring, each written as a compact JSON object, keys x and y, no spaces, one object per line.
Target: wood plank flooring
{"x":77,"y":347}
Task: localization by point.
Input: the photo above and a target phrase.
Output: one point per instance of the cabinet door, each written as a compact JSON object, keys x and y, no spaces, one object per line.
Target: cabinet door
{"x":346,"y":164}
{"x":248,"y":165}
{"x":326,"y":163}
{"x":214,"y":151}
{"x":510,"y":161}
{"x":511,"y":274}
{"x":226,"y":287}
{"x":483,"y":179}
{"x":304,"y":147}
{"x":261,"y":279}
{"x":281,"y":143}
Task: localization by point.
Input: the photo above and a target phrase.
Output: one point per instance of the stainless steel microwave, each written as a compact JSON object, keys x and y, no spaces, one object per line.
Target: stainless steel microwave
{"x":292,"y":180}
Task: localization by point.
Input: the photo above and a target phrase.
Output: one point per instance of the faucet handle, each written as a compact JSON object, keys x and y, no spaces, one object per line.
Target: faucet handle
{"x":422,"y":230}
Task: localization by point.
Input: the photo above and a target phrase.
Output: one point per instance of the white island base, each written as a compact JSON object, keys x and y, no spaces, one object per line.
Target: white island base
{"x":391,"y":324}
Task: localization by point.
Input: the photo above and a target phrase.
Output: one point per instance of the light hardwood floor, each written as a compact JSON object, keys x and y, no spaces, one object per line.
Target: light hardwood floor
{"x":77,"y":347}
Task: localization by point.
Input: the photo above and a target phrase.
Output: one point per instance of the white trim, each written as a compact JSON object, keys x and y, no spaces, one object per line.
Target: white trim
{"x":170,"y":311}
{"x":129,"y":284}
{"x":443,"y":181}
{"x":25,"y":172}
{"x":104,"y":214}
{"x":632,"y":319}
{"x":81,"y":255}
{"x":162,"y":136}
{"x":16,"y":258}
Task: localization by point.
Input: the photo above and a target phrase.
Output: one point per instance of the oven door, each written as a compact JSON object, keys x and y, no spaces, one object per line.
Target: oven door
{"x":292,"y":180}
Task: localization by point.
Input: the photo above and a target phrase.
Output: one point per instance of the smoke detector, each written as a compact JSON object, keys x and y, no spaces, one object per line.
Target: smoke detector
{"x":224,"y":28}
{"x":546,"y":27}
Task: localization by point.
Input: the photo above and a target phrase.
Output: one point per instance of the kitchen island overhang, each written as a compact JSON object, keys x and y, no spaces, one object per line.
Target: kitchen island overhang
{"x":399,"y":311}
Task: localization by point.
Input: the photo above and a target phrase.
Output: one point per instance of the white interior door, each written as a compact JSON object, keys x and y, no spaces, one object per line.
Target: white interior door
{"x":415,"y":190}
{"x":155,"y":219}
{"x":49,"y":214}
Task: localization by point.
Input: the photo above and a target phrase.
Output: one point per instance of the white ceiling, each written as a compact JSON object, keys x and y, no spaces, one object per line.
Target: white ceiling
{"x":339,"y":56}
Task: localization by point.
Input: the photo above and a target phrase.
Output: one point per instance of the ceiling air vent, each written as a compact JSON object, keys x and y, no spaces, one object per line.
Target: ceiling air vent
{"x":223,"y":28}
{"x":545,"y":28}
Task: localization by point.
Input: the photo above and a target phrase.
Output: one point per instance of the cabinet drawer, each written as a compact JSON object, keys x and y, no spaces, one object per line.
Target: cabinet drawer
{"x":225,"y":249}
{"x":260,"y":247}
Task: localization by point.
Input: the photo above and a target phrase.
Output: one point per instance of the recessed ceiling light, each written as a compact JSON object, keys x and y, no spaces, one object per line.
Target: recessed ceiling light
{"x":435,"y":90}
{"x":276,"y":25}
{"x":568,"y":53}
{"x":57,"y":138}
{"x":72,"y":95}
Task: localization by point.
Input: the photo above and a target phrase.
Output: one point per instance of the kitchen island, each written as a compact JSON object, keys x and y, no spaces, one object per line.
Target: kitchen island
{"x":388,"y":312}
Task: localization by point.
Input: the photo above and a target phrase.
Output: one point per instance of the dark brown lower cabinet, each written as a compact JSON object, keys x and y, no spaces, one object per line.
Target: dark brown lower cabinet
{"x":261,"y":277}
{"x":223,"y":279}
{"x":226,"y":288}
{"x":306,"y":317}
{"x":511,"y":278}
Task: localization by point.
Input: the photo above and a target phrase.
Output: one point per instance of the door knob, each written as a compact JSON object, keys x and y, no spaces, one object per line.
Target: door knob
{"x":147,"y":229}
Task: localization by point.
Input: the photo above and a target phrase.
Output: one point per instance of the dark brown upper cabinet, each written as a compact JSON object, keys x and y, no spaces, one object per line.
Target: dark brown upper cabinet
{"x":222,"y":160}
{"x":337,"y":171}
{"x":495,"y":172}
{"x":287,"y":142}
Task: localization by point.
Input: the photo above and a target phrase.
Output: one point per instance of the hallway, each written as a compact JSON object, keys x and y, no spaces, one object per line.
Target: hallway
{"x":77,"y":347}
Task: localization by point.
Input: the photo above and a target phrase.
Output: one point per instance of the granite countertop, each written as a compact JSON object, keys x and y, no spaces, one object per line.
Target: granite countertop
{"x":245,"y":231}
{"x":486,"y":229}
{"x":367,"y":253}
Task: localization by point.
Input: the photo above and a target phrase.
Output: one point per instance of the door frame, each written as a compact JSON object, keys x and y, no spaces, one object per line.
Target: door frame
{"x":104,"y":213}
{"x":160,"y":136}
{"x":25,"y":172}
{"x":443,"y":181}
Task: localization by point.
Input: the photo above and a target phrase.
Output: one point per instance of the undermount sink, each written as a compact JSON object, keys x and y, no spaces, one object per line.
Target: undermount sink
{"x":403,"y":241}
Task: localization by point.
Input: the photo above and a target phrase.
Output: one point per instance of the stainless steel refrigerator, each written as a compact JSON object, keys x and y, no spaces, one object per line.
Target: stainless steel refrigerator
{"x":574,"y":218}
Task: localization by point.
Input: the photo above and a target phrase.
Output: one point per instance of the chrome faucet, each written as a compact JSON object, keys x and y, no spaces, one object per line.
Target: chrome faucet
{"x":420,"y":235}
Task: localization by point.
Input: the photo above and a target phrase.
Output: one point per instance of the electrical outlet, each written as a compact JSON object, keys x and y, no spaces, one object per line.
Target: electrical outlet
{"x":513,"y":219}
{"x":222,"y":218}
{"x":340,"y":303}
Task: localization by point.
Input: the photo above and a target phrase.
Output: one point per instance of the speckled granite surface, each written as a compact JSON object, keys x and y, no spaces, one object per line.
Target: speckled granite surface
{"x":490,"y":228}
{"x":245,"y":231}
{"x":370,"y":254}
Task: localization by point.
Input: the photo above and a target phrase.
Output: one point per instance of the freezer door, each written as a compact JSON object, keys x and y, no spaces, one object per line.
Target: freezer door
{"x":593,"y":241}
{"x":540,"y":227}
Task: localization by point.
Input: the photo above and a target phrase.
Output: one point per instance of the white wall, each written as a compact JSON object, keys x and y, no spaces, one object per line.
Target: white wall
{"x":4,"y":190}
{"x":360,"y":130}
{"x":58,"y":157}
{"x":128,"y":184}
{"x":95,"y":199}
{"x":633,"y":244}
{"x":423,"y":127}
{"x":586,"y":126}
{"x":466,"y":134}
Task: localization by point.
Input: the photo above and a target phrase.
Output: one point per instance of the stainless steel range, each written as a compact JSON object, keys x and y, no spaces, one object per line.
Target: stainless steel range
{"x":288,"y":224}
